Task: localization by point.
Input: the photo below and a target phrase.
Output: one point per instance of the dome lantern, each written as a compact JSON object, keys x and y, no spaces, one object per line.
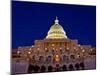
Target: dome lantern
{"x":56,"y":31}
{"x":56,"y":21}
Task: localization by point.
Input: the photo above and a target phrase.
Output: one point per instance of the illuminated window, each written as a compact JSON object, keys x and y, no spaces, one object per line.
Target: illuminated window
{"x":45,"y":48}
{"x":38,"y":48}
{"x":91,"y":49}
{"x":57,"y":58}
{"x":83,"y":50}
{"x":60,"y":48}
{"x":78,"y":56}
{"x":29,"y":52}
{"x":67,"y":48}
{"x":74,"y":47}
{"x":53,"y":44}
{"x":18,"y":52}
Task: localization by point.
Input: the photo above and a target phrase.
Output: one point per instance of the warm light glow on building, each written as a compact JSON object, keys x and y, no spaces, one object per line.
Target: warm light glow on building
{"x":91,"y":49}
{"x":38,"y":48}
{"x":78,"y":56}
{"x":60,"y":48}
{"x":53,"y":44}
{"x":18,"y":52}
{"x":45,"y":48}
{"x":67,"y":48}
{"x":83,"y":50}
{"x":53,"y":48}
{"x":56,"y":31}
{"x":74,"y":47}
{"x":57,"y":58}
{"x":56,"y":49}
{"x":29,"y":52}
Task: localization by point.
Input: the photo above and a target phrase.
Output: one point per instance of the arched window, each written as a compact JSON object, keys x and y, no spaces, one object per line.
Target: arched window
{"x":77,"y":66}
{"x":50,"y":68}
{"x":57,"y":58}
{"x":64,"y":68}
{"x":71,"y":67}
{"x":57,"y":67}
{"x":41,"y":58}
{"x":53,"y":52}
{"x":36,"y":68}
{"x":65,"y":58}
{"x":82,"y":65}
{"x":43,"y":68}
{"x":30,"y":68}
{"x":33,"y":57}
{"x":72,"y":56}
{"x":60,"y":50}
{"x":49,"y":59}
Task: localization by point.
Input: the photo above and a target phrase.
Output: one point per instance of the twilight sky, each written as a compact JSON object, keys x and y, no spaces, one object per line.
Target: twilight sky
{"x":31,"y":21}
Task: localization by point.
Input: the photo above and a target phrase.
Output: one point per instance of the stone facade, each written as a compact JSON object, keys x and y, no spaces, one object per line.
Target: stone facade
{"x":56,"y":53}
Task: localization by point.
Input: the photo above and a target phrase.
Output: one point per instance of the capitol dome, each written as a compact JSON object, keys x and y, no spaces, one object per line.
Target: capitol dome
{"x":56,"y":31}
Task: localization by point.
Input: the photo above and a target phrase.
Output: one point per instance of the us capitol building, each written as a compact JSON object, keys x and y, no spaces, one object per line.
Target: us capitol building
{"x":54,"y":53}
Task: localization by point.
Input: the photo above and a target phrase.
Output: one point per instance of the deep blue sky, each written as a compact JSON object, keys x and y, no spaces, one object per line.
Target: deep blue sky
{"x":31,"y":21}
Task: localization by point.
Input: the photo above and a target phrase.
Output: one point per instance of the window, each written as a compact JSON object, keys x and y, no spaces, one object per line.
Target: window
{"x":65,"y":58}
{"x":71,"y":67}
{"x":48,"y":59}
{"x":43,"y":68}
{"x":50,"y":68}
{"x":77,"y":66}
{"x":72,"y":57}
{"x":57,"y":58}
{"x":82,"y":65}
{"x":36,"y":68}
{"x":41,"y":58}
{"x":33,"y":57}
{"x":64,"y":68}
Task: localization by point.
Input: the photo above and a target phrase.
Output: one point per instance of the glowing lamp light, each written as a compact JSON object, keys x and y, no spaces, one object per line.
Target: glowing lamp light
{"x":74,"y":47}
{"x":60,"y":48}
{"x":67,"y":48}
{"x":29,"y":52}
{"x":18,"y":52}
{"x":38,"y":48}
{"x":91,"y":49}
{"x":45,"y":48}
{"x":53,"y":44}
{"x":57,"y":58}
{"x":78,"y":56}
{"x":83,"y":50}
